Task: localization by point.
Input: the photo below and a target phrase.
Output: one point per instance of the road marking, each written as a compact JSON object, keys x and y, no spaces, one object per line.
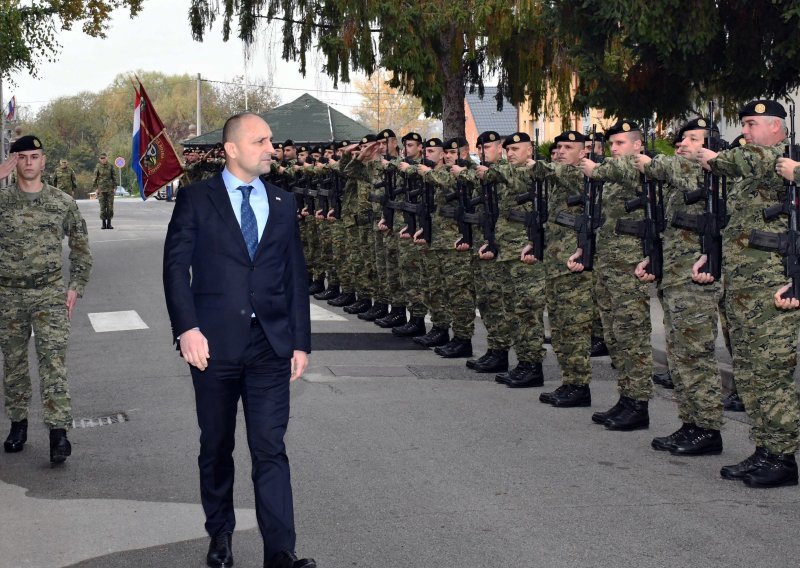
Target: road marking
{"x":116,"y":321}
{"x":319,"y":313}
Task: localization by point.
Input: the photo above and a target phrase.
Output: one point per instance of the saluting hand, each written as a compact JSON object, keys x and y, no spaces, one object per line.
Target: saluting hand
{"x":8,"y":166}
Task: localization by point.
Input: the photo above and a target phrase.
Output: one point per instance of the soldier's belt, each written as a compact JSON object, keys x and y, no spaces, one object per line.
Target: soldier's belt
{"x":32,"y":281}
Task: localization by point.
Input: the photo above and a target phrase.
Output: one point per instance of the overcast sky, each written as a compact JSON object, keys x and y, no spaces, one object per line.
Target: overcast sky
{"x":159,"y":39}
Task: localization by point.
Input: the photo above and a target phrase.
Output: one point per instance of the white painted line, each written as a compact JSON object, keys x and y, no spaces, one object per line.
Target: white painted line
{"x":321,"y":314}
{"x":116,"y":321}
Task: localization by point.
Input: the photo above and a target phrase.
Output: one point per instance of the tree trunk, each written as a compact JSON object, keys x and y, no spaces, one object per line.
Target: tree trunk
{"x":452,"y":68}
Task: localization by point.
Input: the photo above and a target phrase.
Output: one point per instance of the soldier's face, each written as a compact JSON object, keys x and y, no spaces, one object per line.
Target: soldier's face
{"x":764,"y":130}
{"x":289,"y":153}
{"x":570,"y":153}
{"x":598,"y":149}
{"x":413,"y":149}
{"x":103,"y":160}
{"x":391,"y":144}
{"x":519,"y":153}
{"x":30,"y":165}
{"x":492,"y":151}
{"x":450,"y":156}
{"x":691,"y":142}
{"x":328,"y":153}
{"x":249,"y":152}
{"x":301,"y":156}
{"x":382,"y":146}
{"x":434,"y":154}
{"x":279,"y":154}
{"x":625,"y":144}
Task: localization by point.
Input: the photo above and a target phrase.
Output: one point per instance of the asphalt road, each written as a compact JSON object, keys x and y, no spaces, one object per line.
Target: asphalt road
{"x":399,"y":458}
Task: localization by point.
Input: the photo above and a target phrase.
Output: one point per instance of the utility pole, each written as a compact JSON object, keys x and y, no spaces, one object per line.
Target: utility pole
{"x":199,"y":115}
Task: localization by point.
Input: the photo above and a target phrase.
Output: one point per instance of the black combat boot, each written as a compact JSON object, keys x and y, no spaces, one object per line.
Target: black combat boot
{"x":105,"y":224}
{"x":329,"y":294}
{"x":774,"y":470}
{"x":634,"y":416}
{"x":548,"y":397}
{"x":576,"y":396}
{"x":317,"y":286}
{"x":601,"y":417}
{"x":599,"y":347}
{"x":60,"y":447}
{"x":664,"y":379}
{"x":17,"y":437}
{"x":456,"y":347}
{"x":359,"y":306}
{"x":739,"y":470}
{"x":415,"y":327}
{"x":497,"y":362}
{"x":343,"y":299}
{"x":698,"y":442}
{"x":436,"y":337}
{"x":503,"y":378}
{"x":395,"y":318}
{"x":378,"y":310}
{"x":472,"y":362}
{"x":526,"y":375}
{"x":666,"y":443}
{"x":732,"y":403}
{"x":108,"y":224}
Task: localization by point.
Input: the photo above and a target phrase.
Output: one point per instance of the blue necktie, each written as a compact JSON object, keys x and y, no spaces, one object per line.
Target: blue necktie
{"x":249,"y":225}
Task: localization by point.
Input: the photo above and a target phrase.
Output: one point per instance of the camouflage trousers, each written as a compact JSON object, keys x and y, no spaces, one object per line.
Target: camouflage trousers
{"x":570,"y":309}
{"x":362,"y":259}
{"x":106,"y":200}
{"x":325,"y":255}
{"x":394,"y":289}
{"x":458,"y":282}
{"x":44,"y":311}
{"x":492,"y":281}
{"x":624,"y":305}
{"x":764,"y":341}
{"x":525,"y":299}
{"x":410,"y":271}
{"x":341,"y":247}
{"x":690,"y":322}
{"x":436,"y":297}
{"x":307,"y":236}
{"x":378,"y":242}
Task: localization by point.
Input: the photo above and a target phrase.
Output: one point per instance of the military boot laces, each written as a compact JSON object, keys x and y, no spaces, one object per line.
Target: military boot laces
{"x":60,"y":448}
{"x":698,"y":442}
{"x":17,"y":437}
{"x":774,"y":470}
{"x":666,"y":443}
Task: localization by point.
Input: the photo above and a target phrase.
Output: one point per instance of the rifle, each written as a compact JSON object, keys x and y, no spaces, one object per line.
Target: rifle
{"x":535,"y":219}
{"x":418,"y":205}
{"x":464,"y":207}
{"x":651,"y":199}
{"x":788,"y":242}
{"x":488,"y":219}
{"x":587,"y":223}
{"x":708,"y":224}
{"x":389,"y":186}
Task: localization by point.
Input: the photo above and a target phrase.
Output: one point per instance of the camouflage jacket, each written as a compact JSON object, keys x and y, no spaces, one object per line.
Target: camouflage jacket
{"x":64,"y":179}
{"x":104,"y":178}
{"x":356,"y":207}
{"x":756,"y":185}
{"x":444,"y":230}
{"x":32,"y":235}
{"x":508,"y":182}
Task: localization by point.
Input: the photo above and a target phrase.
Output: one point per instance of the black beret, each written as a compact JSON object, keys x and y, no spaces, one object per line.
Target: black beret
{"x":386,"y":133}
{"x":516,"y":138}
{"x":699,"y":123}
{"x":368,"y":138}
{"x":279,"y":146}
{"x":763,"y":107}
{"x":596,"y":136}
{"x":622,"y":126}
{"x":25,"y":144}
{"x":434,"y":143}
{"x":330,"y":146}
{"x":316,"y":150}
{"x":570,"y":136}
{"x":288,"y":143}
{"x":455,"y":143}
{"x":302,"y":149}
{"x":412,"y":136}
{"x":488,"y":136}
{"x":738,"y":141}
{"x":343,"y":143}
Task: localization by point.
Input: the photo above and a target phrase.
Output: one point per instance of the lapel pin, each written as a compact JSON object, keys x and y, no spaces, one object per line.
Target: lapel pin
{"x":277,"y":198}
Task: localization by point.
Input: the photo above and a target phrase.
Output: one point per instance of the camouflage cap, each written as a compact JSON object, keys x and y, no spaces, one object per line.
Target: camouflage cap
{"x":26,"y":144}
{"x":412,"y":136}
{"x":455,"y":143}
{"x":488,"y":136}
{"x":516,"y":138}
{"x":386,"y":133}
{"x":103,"y":155}
{"x":622,"y":126}
{"x":763,"y":107}
{"x":570,"y":136}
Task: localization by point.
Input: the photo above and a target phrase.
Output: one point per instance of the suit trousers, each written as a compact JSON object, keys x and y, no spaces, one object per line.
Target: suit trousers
{"x":261,"y":379}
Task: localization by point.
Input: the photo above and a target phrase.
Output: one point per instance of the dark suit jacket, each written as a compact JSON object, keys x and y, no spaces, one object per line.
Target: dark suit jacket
{"x":224,"y":287}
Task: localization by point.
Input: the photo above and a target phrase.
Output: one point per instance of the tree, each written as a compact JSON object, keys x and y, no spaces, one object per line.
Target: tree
{"x":27,"y":32}
{"x":260,"y":96}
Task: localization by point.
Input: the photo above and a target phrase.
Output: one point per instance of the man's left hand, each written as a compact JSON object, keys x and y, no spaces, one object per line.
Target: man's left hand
{"x":72,"y":299}
{"x":299,"y":364}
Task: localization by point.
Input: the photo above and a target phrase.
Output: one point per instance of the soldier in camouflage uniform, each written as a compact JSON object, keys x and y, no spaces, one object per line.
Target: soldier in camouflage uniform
{"x":342,"y":247}
{"x":763,"y":337}
{"x":36,"y":217}
{"x":569,"y":296}
{"x":624,"y":303}
{"x":64,"y":178}
{"x":104,"y":184}
{"x":324,"y":176}
{"x":336,"y":277}
{"x":690,"y":311}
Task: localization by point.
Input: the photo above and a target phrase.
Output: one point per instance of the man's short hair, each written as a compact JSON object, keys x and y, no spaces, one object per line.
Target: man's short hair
{"x":231,"y":125}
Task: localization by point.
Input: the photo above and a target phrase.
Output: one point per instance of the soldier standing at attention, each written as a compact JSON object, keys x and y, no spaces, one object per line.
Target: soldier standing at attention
{"x":33,"y":295}
{"x":104,"y":185}
{"x":64,"y":178}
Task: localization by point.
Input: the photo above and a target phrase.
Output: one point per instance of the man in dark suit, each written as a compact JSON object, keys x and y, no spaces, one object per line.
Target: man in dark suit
{"x":236,"y":287}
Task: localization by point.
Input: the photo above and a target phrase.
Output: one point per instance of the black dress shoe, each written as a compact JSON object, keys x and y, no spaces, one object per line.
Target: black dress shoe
{"x":359,"y":306}
{"x":601,"y":417}
{"x":599,"y":347}
{"x":732,"y":402}
{"x":775,"y":470}
{"x":329,"y":294}
{"x":289,"y":560}
{"x":436,"y":337}
{"x":666,"y":443}
{"x":472,"y":362}
{"x":220,"y":551}
{"x":377,"y":310}
{"x":634,"y":416}
{"x":316,"y":287}
{"x":395,"y":318}
{"x":457,"y":347}
{"x":698,"y":442}
{"x":60,"y":448}
{"x":547,"y":397}
{"x":664,"y":379}
{"x":495,"y":363}
{"x":17,"y":437}
{"x":415,"y":327}
{"x":576,"y":396}
{"x":342,"y":300}
{"x":526,"y":375}
{"x":739,"y":470}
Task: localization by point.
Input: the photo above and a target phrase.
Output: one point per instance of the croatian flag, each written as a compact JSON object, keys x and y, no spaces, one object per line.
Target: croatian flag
{"x":12,"y":108}
{"x":137,"y":124}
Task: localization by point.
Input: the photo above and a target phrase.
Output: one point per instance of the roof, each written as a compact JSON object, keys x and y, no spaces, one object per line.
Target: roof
{"x":486,"y":115}
{"x":304,"y":120}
